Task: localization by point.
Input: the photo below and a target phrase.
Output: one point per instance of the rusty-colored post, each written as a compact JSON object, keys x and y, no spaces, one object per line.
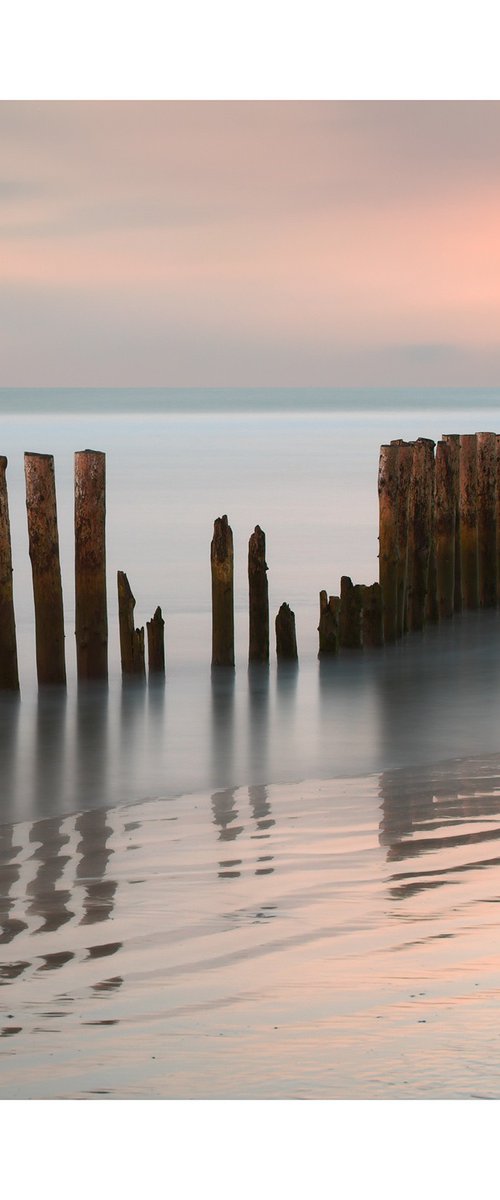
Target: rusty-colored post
{"x":131,"y":639}
{"x":453,"y":441}
{"x":45,"y":566}
{"x":351,"y":608}
{"x":286,"y":640}
{"x":328,"y":628}
{"x":258,"y":598}
{"x":419,"y":530}
{"x":156,"y":644}
{"x":405,"y":459}
{"x":388,"y":537}
{"x":373,"y":616}
{"x":487,"y":519}
{"x":9,"y":677}
{"x":468,"y":519}
{"x":90,"y":565}
{"x":221,"y":558}
{"x":445,"y":513}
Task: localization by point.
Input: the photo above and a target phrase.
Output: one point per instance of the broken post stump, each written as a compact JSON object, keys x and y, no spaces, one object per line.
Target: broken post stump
{"x":45,"y":566}
{"x":372,"y":615}
{"x":445,"y":514}
{"x":487,"y":519}
{"x":328,"y":628}
{"x":131,"y":639}
{"x":156,"y":644}
{"x":453,"y":441}
{"x":286,"y":639}
{"x":258,"y":650}
{"x":388,"y":537}
{"x":9,"y":677}
{"x":405,"y":459}
{"x":351,"y":608}
{"x":91,"y":625}
{"x":222,"y":565}
{"x":419,"y":531}
{"x":468,"y":520}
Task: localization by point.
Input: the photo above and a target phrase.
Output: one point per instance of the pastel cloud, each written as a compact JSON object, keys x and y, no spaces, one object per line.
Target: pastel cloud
{"x":249,"y":243}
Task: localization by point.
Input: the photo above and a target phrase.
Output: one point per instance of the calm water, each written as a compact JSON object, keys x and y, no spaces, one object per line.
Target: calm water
{"x":325,"y":938}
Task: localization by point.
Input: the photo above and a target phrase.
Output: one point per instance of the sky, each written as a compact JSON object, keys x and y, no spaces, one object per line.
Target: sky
{"x":249,"y":243}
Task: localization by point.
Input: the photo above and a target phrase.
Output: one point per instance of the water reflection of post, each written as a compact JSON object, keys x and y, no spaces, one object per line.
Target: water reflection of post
{"x":222,"y":725}
{"x":50,"y":744}
{"x":132,"y":716}
{"x":258,"y":723}
{"x":10,"y":870}
{"x":95,"y":854}
{"x":9,"y":727}
{"x":417,"y":803}
{"x":91,"y":765}
{"x":48,"y":901}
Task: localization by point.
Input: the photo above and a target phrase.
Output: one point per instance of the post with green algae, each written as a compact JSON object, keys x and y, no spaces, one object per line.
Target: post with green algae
{"x":46,"y":569}
{"x":91,"y":625}
{"x":222,"y":566}
{"x":9,"y":676}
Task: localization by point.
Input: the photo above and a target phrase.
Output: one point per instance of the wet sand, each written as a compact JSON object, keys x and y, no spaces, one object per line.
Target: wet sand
{"x":327,"y":939}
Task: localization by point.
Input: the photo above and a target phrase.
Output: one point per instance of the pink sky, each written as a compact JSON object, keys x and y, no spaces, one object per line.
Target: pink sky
{"x":250,"y":243}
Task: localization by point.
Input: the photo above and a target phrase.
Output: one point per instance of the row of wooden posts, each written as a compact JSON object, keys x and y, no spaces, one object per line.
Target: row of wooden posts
{"x":91,"y":620}
{"x":439,"y":552}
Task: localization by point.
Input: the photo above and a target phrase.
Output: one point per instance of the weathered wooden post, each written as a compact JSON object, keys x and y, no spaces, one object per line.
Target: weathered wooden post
{"x":445,"y":514}
{"x":487,"y":519}
{"x":405,"y":459}
{"x":468,"y":519}
{"x":431,"y":604}
{"x":328,"y":628}
{"x":222,"y":559}
{"x":498,"y":518}
{"x":131,"y":639}
{"x":453,"y":441}
{"x":258,"y":598}
{"x":373,"y":616}
{"x":156,"y":644}
{"x":9,"y":677}
{"x":286,"y":640}
{"x":388,"y":537}
{"x":43,"y":538}
{"x":91,"y":624}
{"x":351,"y":608}
{"x":419,"y":530}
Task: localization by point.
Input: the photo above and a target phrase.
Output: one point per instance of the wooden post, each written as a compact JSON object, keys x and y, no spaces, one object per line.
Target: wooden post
{"x":221,"y":558}
{"x":9,"y":677}
{"x":328,"y":628}
{"x":351,"y":608}
{"x":453,"y":441}
{"x":90,"y":565}
{"x":431,"y":604}
{"x":388,"y":537}
{"x":258,"y":598}
{"x":487,"y":519}
{"x":156,"y":644}
{"x":45,"y":565}
{"x":468,"y":519}
{"x":405,"y":459}
{"x":419,"y":530}
{"x":286,"y":640}
{"x":131,"y":639}
{"x":445,"y":514}
{"x":373,"y":616}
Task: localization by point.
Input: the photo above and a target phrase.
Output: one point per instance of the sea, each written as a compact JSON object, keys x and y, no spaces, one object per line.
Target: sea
{"x":273,"y":883}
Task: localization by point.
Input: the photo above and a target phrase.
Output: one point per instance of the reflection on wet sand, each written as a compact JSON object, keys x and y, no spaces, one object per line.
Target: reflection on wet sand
{"x":47,"y":900}
{"x":90,"y":872}
{"x":10,"y":871}
{"x":436,"y":814}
